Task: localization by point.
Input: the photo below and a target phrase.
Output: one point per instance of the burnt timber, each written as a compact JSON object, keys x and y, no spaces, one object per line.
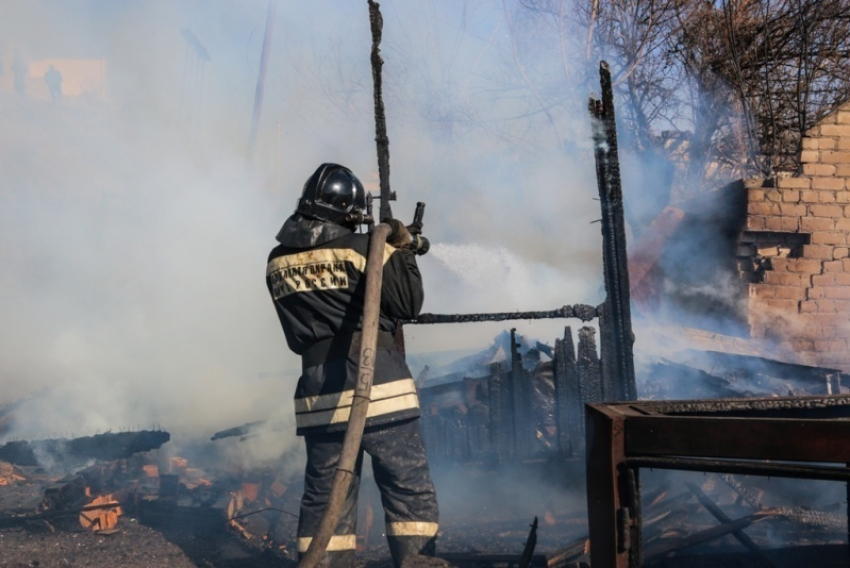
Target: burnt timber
{"x":108,"y":446}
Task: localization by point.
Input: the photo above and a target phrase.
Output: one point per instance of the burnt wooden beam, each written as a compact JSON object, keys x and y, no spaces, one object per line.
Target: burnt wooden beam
{"x":718,"y":514}
{"x":667,"y":546}
{"x":109,"y":446}
{"x":579,"y":311}
{"x":619,"y":339}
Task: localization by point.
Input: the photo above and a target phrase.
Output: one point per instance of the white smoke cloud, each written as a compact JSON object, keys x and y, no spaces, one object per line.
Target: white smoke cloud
{"x":133,"y":236}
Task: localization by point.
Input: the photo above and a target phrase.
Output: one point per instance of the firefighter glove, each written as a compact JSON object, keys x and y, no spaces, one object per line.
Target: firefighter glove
{"x":400,"y":236}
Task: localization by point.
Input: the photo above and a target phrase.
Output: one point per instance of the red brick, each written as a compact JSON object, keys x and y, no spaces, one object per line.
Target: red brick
{"x":834,"y":265}
{"x":812,"y":224}
{"x":759,"y":208}
{"x":808,"y":143}
{"x":842,"y":196}
{"x":790,"y":195}
{"x":842,"y":279}
{"x":841,"y":307}
{"x":809,"y":196}
{"x":826,"y":196}
{"x":795,"y":183}
{"x":842,"y":225}
{"x":781,"y":264}
{"x":756,"y":223}
{"x":809,"y":156}
{"x":808,"y":307}
{"x":790,"y":224}
{"x":840,"y":253}
{"x":829,"y":238}
{"x":842,"y":117}
{"x":825,"y":306}
{"x":830,"y":345}
{"x":823,"y":280}
{"x":820,"y":252}
{"x":792,"y":210}
{"x":837,"y":292}
{"x":786,"y":278}
{"x":842,"y":170}
{"x":826,"y":211}
{"x":762,"y":291}
{"x":803,"y":345}
{"x":819,"y":169}
{"x":755,"y":194}
{"x":834,"y":157}
{"x":815,"y":293}
{"x":833,"y":183}
{"x":843,"y":144}
{"x":804,"y":265}
{"x":792,"y":293}
{"x":826,"y":143}
{"x":787,"y":306}
{"x":773,"y":195}
{"x":835,"y":130}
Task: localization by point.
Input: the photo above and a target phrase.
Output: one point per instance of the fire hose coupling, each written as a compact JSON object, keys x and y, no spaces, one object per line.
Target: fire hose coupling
{"x":419,"y":244}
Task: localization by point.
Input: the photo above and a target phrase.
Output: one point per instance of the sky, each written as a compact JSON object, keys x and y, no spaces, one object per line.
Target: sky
{"x":134,"y":228}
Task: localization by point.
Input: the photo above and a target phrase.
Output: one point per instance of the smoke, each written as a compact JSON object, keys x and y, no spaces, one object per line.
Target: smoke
{"x":133,"y":236}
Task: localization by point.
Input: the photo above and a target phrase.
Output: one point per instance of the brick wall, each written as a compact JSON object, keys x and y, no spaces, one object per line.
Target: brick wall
{"x":794,"y":251}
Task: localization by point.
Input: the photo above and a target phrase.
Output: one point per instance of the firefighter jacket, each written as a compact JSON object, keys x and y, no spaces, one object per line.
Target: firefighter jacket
{"x":316,"y":278}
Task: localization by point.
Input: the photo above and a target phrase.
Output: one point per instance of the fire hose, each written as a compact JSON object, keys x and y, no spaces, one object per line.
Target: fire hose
{"x":360,"y":403}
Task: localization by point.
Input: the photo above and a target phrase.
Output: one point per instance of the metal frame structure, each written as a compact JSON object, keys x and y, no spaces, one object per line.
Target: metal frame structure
{"x":798,"y":437}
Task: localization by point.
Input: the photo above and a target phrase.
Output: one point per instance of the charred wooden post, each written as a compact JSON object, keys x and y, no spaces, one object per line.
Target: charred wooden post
{"x":494,"y":400}
{"x":619,"y":367}
{"x":589,"y":368}
{"x":562,"y":417}
{"x":520,"y":390}
{"x":575,"y":397}
{"x":376,"y":21}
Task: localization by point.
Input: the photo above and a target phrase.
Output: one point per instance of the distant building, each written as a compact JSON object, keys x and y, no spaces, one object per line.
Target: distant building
{"x":81,"y":79}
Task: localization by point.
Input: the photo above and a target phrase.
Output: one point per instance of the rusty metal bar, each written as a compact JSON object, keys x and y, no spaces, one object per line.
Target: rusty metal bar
{"x":743,"y":467}
{"x":619,"y":339}
{"x":739,"y":438}
{"x":579,"y":311}
{"x":605,"y":441}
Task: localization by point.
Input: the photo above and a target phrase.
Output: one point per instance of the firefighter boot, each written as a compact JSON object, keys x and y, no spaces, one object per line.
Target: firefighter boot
{"x":406,"y":549}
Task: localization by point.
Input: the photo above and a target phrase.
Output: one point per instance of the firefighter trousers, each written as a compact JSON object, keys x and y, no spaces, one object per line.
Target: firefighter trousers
{"x":407,"y":493}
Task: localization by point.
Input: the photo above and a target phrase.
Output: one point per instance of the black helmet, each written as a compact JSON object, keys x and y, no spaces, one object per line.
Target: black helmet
{"x":333,"y":193}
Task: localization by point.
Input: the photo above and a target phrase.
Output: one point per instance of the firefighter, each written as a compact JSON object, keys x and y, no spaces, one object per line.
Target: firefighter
{"x":316,"y":278}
